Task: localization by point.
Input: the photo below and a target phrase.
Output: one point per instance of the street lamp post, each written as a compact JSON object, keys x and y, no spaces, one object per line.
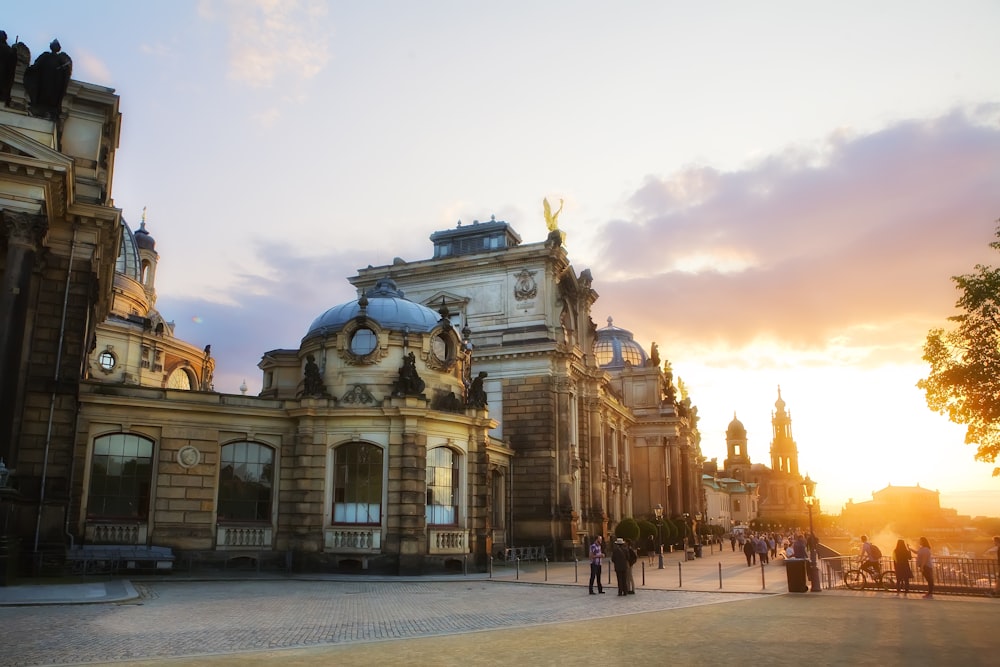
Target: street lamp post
{"x":809,"y":496}
{"x":658,"y":511}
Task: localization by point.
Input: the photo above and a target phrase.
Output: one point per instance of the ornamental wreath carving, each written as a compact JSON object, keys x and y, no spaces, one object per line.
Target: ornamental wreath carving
{"x":524,"y":286}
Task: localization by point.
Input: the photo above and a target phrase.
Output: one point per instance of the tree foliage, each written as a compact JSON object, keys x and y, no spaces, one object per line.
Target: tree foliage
{"x":964,"y":381}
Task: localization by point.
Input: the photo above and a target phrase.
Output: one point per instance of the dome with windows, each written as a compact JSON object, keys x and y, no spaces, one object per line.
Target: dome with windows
{"x":128,"y":255}
{"x":615,"y":348}
{"x":385,"y":305}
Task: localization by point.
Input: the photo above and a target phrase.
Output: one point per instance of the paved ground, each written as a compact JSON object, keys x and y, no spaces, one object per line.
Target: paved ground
{"x":534,"y":615}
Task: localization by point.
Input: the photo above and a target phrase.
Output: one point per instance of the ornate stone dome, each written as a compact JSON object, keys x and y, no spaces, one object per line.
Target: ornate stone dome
{"x":615,"y":348}
{"x":385,"y":305}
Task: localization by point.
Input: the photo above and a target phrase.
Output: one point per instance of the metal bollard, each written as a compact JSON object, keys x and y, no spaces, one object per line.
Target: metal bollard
{"x":517,"y":568}
{"x":546,"y":569}
{"x":720,"y":576}
{"x":680,"y":579}
{"x":643,"y":574}
{"x":576,"y":571}
{"x":763,"y":585}
{"x":491,"y":566}
{"x":465,"y":565}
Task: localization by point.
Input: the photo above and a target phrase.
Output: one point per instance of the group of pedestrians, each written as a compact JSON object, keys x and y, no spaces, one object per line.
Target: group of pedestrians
{"x":763,"y":547}
{"x":623,"y":557}
{"x":871,"y":558}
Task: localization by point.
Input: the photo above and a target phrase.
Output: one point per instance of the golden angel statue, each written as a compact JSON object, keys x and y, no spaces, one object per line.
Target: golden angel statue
{"x":552,"y":222}
{"x":552,"y":219}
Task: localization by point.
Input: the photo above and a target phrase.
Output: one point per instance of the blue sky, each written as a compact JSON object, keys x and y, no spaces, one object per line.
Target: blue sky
{"x":775,"y":193}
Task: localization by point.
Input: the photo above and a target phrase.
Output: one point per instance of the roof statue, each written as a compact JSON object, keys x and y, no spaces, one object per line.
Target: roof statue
{"x":8,"y":64}
{"x":552,"y":222}
{"x":46,"y":81}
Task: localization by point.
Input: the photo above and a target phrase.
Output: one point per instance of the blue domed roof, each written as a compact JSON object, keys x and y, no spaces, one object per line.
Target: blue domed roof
{"x":615,"y":348}
{"x":383,"y":304}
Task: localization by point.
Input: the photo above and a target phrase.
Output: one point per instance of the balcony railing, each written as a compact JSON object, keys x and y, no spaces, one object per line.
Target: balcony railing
{"x":243,"y":538}
{"x":447,"y":541}
{"x":353,"y":540}
{"x":116,"y":533}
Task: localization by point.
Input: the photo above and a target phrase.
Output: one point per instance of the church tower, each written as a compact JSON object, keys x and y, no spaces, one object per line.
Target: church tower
{"x":148,"y":258}
{"x":737,"y":462}
{"x":784,"y":452}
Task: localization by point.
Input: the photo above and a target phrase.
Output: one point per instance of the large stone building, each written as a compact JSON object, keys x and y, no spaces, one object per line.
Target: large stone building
{"x":597,"y":431}
{"x":480,"y":410}
{"x":60,"y":238}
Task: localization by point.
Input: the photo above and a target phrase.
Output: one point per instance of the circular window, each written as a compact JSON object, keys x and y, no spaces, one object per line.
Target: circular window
{"x":107,"y":360}
{"x":439,"y":346}
{"x":363,"y":342}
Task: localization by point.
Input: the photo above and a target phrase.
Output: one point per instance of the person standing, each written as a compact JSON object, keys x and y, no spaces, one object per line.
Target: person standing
{"x":901,"y":563}
{"x":632,"y":558}
{"x":996,"y":546}
{"x":760,"y":543}
{"x":749,"y":551}
{"x":925,"y":563}
{"x":619,"y":558}
{"x":596,"y":556}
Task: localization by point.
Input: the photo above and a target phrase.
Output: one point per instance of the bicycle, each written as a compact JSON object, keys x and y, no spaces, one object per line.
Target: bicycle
{"x":870,"y":575}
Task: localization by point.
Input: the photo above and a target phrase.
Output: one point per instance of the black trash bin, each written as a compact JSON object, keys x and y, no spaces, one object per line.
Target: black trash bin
{"x":795,"y":569}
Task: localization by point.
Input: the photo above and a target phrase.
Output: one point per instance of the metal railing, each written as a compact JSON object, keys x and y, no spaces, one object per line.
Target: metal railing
{"x":524,"y":553}
{"x":952,"y":575}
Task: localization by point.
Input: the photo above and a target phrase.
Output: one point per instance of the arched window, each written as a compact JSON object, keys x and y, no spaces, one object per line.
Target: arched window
{"x":246,"y":477}
{"x":498,"y":511}
{"x":442,"y":487}
{"x":121,"y":474}
{"x":179,"y":379}
{"x":357,"y":484}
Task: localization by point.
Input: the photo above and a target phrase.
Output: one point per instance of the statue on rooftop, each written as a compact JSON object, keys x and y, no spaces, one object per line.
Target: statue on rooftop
{"x":313,"y":381}
{"x":8,"y":65}
{"x":409,"y":382}
{"x":46,"y":81}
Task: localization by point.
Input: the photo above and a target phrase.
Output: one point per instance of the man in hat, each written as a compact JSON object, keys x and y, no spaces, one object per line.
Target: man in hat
{"x":619,"y":558}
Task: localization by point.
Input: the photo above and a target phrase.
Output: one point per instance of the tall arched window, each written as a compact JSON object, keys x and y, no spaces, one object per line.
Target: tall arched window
{"x":357,"y":484}
{"x":498,"y":511}
{"x":442,"y":487}
{"x":121,"y":474}
{"x":246,"y":479}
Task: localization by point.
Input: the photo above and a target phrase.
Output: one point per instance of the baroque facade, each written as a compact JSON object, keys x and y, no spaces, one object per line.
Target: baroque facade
{"x":478,"y":410}
{"x":597,"y":431}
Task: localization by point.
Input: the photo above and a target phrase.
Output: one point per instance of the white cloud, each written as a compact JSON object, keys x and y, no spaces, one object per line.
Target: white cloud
{"x":272,"y":40}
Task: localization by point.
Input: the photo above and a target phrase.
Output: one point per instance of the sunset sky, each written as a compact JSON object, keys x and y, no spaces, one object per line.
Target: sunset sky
{"x":776,"y":193}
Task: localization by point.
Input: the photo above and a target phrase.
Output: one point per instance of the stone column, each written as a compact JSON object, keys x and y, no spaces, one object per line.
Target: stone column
{"x":24,"y":234}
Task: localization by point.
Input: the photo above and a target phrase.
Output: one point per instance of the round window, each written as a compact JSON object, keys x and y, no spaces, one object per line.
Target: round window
{"x":439,"y":346}
{"x":363,"y":342}
{"x":107,"y":360}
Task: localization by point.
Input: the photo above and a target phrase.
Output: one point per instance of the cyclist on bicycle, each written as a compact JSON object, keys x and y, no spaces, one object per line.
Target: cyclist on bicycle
{"x":868,"y":560}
